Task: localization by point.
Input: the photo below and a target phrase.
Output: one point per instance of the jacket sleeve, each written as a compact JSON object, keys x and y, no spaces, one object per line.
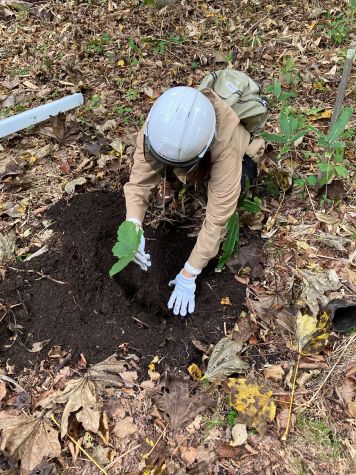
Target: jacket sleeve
{"x":143,"y":179}
{"x":223,"y":192}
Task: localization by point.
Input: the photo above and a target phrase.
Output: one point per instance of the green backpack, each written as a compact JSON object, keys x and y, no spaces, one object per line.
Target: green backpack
{"x":241,"y":93}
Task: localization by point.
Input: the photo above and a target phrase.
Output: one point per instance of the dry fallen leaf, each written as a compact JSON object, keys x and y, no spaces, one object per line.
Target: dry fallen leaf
{"x":225,"y":360}
{"x":38,"y":346}
{"x":82,"y":395}
{"x":274,"y":372}
{"x":7,"y":245}
{"x":239,"y":435}
{"x":71,"y":185}
{"x":315,"y":285}
{"x":188,"y":454}
{"x":28,"y":439}
{"x":253,"y":403}
{"x":124,"y":427}
{"x":2,"y":390}
{"x":178,"y":405}
{"x":326,"y":218}
{"x":282,"y":421}
{"x":351,"y":409}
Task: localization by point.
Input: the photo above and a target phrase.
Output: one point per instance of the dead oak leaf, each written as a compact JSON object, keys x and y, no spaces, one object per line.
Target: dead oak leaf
{"x":28,"y":439}
{"x":177,"y":405}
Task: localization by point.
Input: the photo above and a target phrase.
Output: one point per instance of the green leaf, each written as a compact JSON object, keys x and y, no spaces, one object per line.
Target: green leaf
{"x":273,"y":137}
{"x":231,"y":240}
{"x":325,"y":167}
{"x":128,"y":241}
{"x":299,"y":134}
{"x":339,"y":126}
{"x":311,"y":180}
{"x":121,"y":264}
{"x":284,"y":123}
{"x":341,"y":171}
{"x":251,"y":206}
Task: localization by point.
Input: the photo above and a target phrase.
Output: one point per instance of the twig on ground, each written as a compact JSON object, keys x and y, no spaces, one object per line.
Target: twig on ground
{"x":43,"y":276}
{"x":307,"y":404}
{"x":157,"y":441}
{"x":285,"y":435}
{"x":114,"y":462}
{"x":102,"y":470}
{"x":7,"y":379}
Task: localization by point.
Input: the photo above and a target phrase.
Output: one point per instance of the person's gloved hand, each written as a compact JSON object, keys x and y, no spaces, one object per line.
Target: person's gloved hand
{"x":142,"y":259}
{"x":183,"y":295}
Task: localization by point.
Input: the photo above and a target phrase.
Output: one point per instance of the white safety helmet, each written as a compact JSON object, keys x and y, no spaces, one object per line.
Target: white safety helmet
{"x":179,"y":127}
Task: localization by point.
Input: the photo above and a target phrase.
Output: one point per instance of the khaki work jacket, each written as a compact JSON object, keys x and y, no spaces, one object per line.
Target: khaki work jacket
{"x":230,"y":144}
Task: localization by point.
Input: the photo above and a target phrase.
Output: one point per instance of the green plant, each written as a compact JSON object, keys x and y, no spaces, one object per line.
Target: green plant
{"x":97,"y":45}
{"x":132,"y":94}
{"x":212,"y":423}
{"x":229,"y":58}
{"x":289,"y":72}
{"x":338,"y":28}
{"x":94,"y":102}
{"x":333,"y":163}
{"x":22,"y":72}
{"x":292,"y":128}
{"x":318,"y":433}
{"x":126,"y":246}
{"x":278,"y":95}
{"x":232,"y":417}
{"x":231,"y":241}
{"x":133,"y":46}
{"x":124,"y":113}
{"x":162,"y":44}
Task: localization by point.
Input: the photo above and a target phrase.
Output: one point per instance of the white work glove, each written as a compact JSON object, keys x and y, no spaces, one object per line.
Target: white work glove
{"x":142,"y":259}
{"x":183,"y":296}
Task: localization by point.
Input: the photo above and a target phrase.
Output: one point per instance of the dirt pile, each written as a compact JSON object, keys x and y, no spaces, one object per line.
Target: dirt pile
{"x":92,"y":314}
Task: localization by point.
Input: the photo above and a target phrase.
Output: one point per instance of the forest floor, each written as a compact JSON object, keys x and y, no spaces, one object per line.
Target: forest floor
{"x":96,"y":375}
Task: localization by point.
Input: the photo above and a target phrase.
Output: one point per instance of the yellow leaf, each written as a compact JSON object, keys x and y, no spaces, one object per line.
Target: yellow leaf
{"x":313,"y":25}
{"x":150,"y":442}
{"x":120,"y":63}
{"x":253,"y":403}
{"x":195,"y":372}
{"x":311,"y":334}
{"x":225,"y":301}
{"x":321,"y":115}
{"x":152,"y":365}
{"x":319,"y":85}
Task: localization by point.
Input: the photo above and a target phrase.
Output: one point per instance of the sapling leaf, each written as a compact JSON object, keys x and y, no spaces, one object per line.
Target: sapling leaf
{"x":231,"y":241}
{"x":121,"y":264}
{"x":128,"y":241}
{"x":273,"y":137}
{"x":341,"y":171}
{"x":339,"y":126}
{"x":298,"y":135}
{"x":285,"y":124}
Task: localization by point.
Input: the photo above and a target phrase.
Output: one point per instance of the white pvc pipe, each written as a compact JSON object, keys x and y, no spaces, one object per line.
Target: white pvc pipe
{"x":39,"y":114}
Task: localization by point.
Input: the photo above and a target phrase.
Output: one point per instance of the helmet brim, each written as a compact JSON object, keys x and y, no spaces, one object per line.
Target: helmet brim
{"x":158,"y":162}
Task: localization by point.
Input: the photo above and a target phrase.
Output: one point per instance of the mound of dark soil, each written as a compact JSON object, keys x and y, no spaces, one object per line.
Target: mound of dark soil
{"x":92,"y":314}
